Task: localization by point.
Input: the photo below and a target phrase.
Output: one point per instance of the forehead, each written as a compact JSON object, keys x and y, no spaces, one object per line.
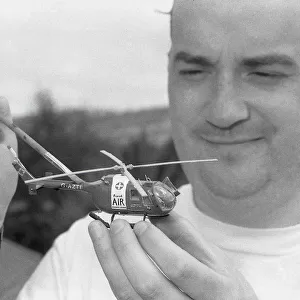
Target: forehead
{"x":238,"y":27}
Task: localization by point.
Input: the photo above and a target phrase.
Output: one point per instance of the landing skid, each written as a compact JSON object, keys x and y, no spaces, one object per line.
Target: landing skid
{"x":95,"y":216}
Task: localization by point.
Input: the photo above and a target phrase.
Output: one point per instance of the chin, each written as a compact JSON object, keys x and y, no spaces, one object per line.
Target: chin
{"x":236,"y":191}
{"x":234,"y":181}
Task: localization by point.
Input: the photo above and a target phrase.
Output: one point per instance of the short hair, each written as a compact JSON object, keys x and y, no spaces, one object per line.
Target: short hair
{"x":171,"y":22}
{"x":170,"y":14}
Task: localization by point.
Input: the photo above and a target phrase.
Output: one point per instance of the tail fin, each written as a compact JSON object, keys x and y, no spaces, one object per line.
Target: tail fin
{"x":23,"y":172}
{"x":20,"y":168}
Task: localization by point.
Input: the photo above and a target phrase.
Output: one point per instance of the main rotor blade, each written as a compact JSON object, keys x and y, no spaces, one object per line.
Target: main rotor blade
{"x":125,"y":172}
{"x":115,"y":168}
{"x":172,"y":163}
{"x":37,"y":147}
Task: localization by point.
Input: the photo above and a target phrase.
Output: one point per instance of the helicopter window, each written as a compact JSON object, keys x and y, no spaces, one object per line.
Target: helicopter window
{"x":164,"y":197}
{"x":135,"y":196}
{"x":147,"y":201}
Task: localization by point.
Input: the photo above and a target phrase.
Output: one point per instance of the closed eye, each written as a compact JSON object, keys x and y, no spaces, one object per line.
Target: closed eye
{"x":268,"y":74}
{"x":191,"y":72}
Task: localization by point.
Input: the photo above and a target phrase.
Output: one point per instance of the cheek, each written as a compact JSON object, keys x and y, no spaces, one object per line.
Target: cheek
{"x":282,"y":110}
{"x":185,"y":106}
{"x":185,"y":112}
{"x":285,"y":152}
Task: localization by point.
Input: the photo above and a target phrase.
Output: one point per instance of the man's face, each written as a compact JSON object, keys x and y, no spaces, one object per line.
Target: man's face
{"x":234,"y":89}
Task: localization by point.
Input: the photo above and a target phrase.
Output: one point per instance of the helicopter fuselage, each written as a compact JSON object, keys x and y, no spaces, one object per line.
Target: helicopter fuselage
{"x":115,"y":194}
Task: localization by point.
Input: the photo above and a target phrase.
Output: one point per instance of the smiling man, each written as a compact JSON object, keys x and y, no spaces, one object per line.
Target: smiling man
{"x":234,"y":86}
{"x":234,"y":90}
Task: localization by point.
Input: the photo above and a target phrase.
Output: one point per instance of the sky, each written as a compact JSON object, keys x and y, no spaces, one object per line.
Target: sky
{"x":95,"y":54}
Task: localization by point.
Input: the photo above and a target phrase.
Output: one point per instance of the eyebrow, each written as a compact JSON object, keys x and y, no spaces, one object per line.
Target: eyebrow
{"x":268,"y":60}
{"x":193,"y":59}
{"x":253,"y":62}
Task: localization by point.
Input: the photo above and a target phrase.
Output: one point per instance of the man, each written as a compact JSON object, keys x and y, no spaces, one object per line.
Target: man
{"x":234,"y":89}
{"x":8,"y":175}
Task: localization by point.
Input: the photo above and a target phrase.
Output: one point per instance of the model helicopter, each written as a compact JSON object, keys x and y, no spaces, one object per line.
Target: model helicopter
{"x":114,"y":194}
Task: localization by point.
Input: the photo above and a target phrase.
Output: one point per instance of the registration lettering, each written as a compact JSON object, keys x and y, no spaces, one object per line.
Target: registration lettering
{"x":71,"y":186}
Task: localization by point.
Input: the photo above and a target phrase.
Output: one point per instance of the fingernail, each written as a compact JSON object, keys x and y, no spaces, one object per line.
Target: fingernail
{"x":116,"y":226}
{"x":140,"y":227}
{"x":96,"y":230}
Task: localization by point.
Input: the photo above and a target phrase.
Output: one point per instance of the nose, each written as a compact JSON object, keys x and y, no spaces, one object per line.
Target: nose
{"x":226,"y":108}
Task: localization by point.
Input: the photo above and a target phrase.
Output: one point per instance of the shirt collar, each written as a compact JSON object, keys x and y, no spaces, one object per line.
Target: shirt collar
{"x":260,"y":241}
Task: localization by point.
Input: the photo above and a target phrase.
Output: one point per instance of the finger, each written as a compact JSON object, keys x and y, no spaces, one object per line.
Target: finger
{"x":8,"y":176}
{"x":145,"y":277}
{"x":110,"y":263}
{"x":5,"y":108}
{"x":185,"y":235}
{"x":190,"y":275}
{"x":7,"y":137}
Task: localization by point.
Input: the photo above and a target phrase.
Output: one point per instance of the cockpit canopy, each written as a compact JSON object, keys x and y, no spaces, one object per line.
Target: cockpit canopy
{"x":164,"y":196}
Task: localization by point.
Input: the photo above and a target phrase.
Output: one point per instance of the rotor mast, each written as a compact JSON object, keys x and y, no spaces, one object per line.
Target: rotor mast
{"x":126,"y":173}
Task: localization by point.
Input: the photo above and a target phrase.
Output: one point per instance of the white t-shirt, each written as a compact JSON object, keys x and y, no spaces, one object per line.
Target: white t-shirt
{"x":268,"y":258}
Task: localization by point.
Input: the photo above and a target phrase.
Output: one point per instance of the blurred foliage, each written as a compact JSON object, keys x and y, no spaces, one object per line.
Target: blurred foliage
{"x":35,"y":221}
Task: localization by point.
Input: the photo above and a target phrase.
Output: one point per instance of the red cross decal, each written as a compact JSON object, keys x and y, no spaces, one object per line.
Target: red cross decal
{"x":119,"y":185}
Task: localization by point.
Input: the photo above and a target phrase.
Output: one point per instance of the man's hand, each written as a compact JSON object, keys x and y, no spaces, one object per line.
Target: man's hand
{"x":8,"y":175}
{"x":182,"y":265}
